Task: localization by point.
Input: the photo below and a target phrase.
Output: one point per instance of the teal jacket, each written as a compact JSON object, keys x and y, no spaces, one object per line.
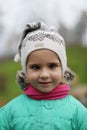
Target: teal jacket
{"x":24,"y":113}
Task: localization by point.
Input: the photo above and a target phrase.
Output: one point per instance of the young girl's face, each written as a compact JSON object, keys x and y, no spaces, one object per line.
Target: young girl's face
{"x":44,"y":71}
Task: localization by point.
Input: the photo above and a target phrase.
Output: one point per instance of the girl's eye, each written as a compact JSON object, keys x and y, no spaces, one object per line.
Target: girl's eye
{"x":53,"y":66}
{"x":35,"y":67}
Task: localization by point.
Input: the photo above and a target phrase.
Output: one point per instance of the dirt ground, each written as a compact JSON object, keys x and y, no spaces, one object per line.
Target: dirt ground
{"x":2,"y":102}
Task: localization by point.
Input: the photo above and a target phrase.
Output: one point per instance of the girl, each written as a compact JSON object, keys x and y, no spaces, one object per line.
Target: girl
{"x":46,"y":103}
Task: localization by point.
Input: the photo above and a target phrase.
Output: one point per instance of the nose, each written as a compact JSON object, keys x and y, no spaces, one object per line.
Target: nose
{"x":44,"y":74}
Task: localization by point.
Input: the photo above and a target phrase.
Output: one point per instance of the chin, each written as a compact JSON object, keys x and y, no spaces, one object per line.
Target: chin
{"x":45,"y":91}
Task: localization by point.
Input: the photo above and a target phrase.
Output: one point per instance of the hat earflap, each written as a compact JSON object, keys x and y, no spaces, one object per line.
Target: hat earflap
{"x":69,"y":75}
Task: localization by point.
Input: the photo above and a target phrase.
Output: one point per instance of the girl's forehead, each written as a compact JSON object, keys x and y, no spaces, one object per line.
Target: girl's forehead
{"x":43,"y":54}
{"x":43,"y":51}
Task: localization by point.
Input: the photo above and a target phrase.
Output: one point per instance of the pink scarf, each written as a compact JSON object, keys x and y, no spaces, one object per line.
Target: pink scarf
{"x":59,"y":92}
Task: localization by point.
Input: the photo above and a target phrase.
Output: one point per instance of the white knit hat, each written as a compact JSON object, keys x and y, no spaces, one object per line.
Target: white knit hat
{"x":39,"y":36}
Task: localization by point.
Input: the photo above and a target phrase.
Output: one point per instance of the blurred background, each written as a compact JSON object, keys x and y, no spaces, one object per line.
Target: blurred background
{"x":70,"y":19}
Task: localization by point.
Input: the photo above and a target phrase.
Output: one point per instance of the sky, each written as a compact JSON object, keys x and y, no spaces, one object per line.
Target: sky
{"x":16,"y":13}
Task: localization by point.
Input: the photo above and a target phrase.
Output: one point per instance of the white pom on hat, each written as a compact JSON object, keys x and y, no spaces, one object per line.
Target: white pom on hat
{"x":17,"y":58}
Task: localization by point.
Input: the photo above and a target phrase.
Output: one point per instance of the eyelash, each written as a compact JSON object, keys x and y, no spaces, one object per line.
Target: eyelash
{"x":35,"y":67}
{"x":51,"y":66}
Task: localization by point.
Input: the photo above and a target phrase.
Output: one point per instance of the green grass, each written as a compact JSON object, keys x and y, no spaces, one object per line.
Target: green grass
{"x":77,"y":61}
{"x":8,"y":70}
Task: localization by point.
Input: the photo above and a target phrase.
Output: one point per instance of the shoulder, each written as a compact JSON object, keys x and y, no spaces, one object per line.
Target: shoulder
{"x":74,"y":103}
{"x":15,"y":103}
{"x":74,"y":106}
{"x":13,"y":111}
{"x":80,"y":109}
{"x":15,"y":108}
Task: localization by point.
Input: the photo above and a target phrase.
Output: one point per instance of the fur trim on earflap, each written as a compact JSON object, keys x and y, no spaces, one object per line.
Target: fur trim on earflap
{"x":20,"y":78}
{"x":69,"y":75}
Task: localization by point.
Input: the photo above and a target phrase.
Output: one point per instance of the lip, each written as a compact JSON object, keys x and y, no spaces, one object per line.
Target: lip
{"x":45,"y":83}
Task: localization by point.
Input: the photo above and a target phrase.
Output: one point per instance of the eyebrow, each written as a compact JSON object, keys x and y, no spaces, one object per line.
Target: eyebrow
{"x":53,"y":62}
{"x":56,"y":63}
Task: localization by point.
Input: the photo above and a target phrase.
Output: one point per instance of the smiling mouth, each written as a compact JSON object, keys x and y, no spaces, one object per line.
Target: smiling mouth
{"x":44,"y":82}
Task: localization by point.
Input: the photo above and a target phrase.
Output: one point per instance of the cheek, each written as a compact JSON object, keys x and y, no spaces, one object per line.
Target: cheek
{"x":32,"y":76}
{"x":58,"y":75}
